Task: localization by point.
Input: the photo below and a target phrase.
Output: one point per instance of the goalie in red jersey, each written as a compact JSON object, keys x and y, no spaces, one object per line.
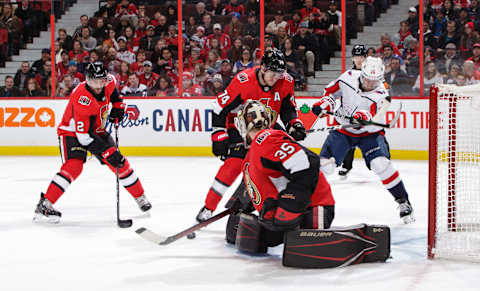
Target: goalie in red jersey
{"x":82,"y":129}
{"x":282,"y":178}
{"x":271,"y":85}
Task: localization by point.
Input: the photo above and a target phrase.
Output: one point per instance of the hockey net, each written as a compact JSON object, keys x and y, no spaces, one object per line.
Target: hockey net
{"x":454,"y":174}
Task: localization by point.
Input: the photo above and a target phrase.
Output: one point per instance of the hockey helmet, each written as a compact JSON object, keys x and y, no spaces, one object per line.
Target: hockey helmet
{"x":96,"y":70}
{"x":253,"y":115}
{"x":274,"y":60}
{"x":359,"y":50}
{"x":372,"y":73}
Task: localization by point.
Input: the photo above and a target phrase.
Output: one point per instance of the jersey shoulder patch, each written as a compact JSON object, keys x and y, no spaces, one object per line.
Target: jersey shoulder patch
{"x":84,"y":100}
{"x":242,"y":77}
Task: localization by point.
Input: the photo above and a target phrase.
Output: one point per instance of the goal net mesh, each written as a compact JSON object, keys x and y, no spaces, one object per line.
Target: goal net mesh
{"x":457,"y":219}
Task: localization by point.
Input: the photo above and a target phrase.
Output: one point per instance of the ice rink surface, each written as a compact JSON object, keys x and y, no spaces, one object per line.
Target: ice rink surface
{"x":87,"y":251}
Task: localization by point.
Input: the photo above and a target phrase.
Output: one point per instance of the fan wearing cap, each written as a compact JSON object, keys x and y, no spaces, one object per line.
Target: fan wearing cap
{"x":268,"y":83}
{"x":355,"y":97}
{"x":224,"y":39}
{"x":123,"y":53}
{"x":272,"y":26}
{"x":76,"y":75}
{"x":148,"y":78}
{"x":189,"y":87}
{"x":476,"y":56}
{"x":83,"y":129}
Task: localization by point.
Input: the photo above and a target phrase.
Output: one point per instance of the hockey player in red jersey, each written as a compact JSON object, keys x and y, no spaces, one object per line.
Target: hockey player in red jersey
{"x":282,"y":178}
{"x":271,"y":85}
{"x":82,"y":129}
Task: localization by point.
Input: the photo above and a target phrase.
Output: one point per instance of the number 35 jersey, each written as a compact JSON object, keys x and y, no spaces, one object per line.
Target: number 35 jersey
{"x":276,"y":165}
{"x":86,"y":112}
{"x":279,"y":99}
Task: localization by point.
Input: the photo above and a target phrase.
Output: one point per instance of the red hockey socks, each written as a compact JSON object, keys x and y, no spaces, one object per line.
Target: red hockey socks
{"x":226,"y":175}
{"x":129,"y":180}
{"x":60,"y":182}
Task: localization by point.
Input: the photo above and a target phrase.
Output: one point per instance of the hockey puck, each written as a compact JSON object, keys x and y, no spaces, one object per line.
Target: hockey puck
{"x":191,"y":235}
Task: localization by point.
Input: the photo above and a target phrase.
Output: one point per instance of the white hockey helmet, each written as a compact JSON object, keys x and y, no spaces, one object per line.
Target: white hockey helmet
{"x":372,"y":72}
{"x":253,"y":115}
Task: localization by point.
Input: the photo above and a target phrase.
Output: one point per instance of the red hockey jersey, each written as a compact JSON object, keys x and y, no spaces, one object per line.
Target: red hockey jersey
{"x":84,"y":113}
{"x":279,"y":100}
{"x":276,"y":163}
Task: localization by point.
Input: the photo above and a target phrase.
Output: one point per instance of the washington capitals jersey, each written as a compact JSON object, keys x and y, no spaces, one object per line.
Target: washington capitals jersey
{"x":276,"y":163}
{"x":86,"y":114}
{"x":279,"y":99}
{"x":349,"y":98}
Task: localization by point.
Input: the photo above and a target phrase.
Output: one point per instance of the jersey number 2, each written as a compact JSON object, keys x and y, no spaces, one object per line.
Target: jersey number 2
{"x":285,"y":150}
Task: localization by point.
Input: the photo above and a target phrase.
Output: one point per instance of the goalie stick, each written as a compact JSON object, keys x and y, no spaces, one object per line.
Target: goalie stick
{"x":162,"y":240}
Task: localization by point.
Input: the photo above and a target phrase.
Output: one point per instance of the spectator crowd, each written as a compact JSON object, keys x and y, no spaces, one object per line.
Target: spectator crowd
{"x":138,"y":42}
{"x":451,"y":47}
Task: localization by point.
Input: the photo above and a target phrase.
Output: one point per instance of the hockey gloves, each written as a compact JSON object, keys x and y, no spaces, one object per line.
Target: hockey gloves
{"x":297,"y":130}
{"x":113,"y":157}
{"x":326,"y":104}
{"x":360,"y":116}
{"x":220,"y":142}
{"x":117,"y":113}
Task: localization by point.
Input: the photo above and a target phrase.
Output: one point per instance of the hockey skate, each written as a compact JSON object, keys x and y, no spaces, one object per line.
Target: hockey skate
{"x":143,"y":203}
{"x":406,"y":211}
{"x":343,"y":173}
{"x":45,"y":211}
{"x":204,"y":214}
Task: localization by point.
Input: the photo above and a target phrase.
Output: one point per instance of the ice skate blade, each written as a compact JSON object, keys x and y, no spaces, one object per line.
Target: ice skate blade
{"x":40,"y":218}
{"x":408,"y":219}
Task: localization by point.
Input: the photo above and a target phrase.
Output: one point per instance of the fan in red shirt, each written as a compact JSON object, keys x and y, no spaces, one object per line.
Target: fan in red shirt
{"x":269,"y":84}
{"x":189,"y":87}
{"x":77,"y":53}
{"x":223,"y":39}
{"x":137,"y":67}
{"x":148,"y":78}
{"x":82,"y":129}
{"x":308,"y":10}
{"x":234,"y":7}
{"x":62,"y":67}
{"x":126,"y":8}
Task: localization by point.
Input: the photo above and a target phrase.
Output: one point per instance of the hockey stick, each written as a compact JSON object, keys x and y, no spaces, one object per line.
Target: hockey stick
{"x":336,"y":127}
{"x":122,"y":223}
{"x":162,"y":240}
{"x":391,"y":124}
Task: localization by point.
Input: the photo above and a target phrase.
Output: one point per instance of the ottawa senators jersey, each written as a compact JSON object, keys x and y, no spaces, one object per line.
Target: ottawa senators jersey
{"x":279,"y":99}
{"x":275,"y":163}
{"x":86,"y":114}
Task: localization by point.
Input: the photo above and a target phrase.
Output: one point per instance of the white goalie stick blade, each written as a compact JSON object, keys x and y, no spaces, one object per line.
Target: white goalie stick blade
{"x":150,"y":236}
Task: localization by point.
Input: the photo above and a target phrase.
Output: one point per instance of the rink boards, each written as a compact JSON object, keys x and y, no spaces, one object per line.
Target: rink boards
{"x":182,"y":127}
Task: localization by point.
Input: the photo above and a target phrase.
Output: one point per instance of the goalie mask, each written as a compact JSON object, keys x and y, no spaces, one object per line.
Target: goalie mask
{"x":372,"y":73}
{"x":253,"y":116}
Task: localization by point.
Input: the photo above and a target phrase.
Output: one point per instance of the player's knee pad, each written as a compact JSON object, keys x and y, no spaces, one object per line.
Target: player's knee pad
{"x":336,"y":247}
{"x":250,"y":235}
{"x":318,"y":217}
{"x":232,"y":226}
{"x":72,"y":168}
{"x":327,"y":165}
{"x":379,"y":165}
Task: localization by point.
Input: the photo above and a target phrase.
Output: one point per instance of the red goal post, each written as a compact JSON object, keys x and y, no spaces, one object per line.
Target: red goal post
{"x":454,"y":172}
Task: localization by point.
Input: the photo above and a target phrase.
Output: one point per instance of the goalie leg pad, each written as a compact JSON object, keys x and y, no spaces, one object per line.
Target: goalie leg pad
{"x":232,"y":227}
{"x":336,"y":247}
{"x":249,"y":235}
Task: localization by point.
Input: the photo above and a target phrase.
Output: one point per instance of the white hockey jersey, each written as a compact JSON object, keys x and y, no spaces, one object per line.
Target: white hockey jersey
{"x":349,"y":98}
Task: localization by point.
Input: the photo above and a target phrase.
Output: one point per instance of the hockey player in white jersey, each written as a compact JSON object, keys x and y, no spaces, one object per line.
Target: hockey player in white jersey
{"x":359,"y":95}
